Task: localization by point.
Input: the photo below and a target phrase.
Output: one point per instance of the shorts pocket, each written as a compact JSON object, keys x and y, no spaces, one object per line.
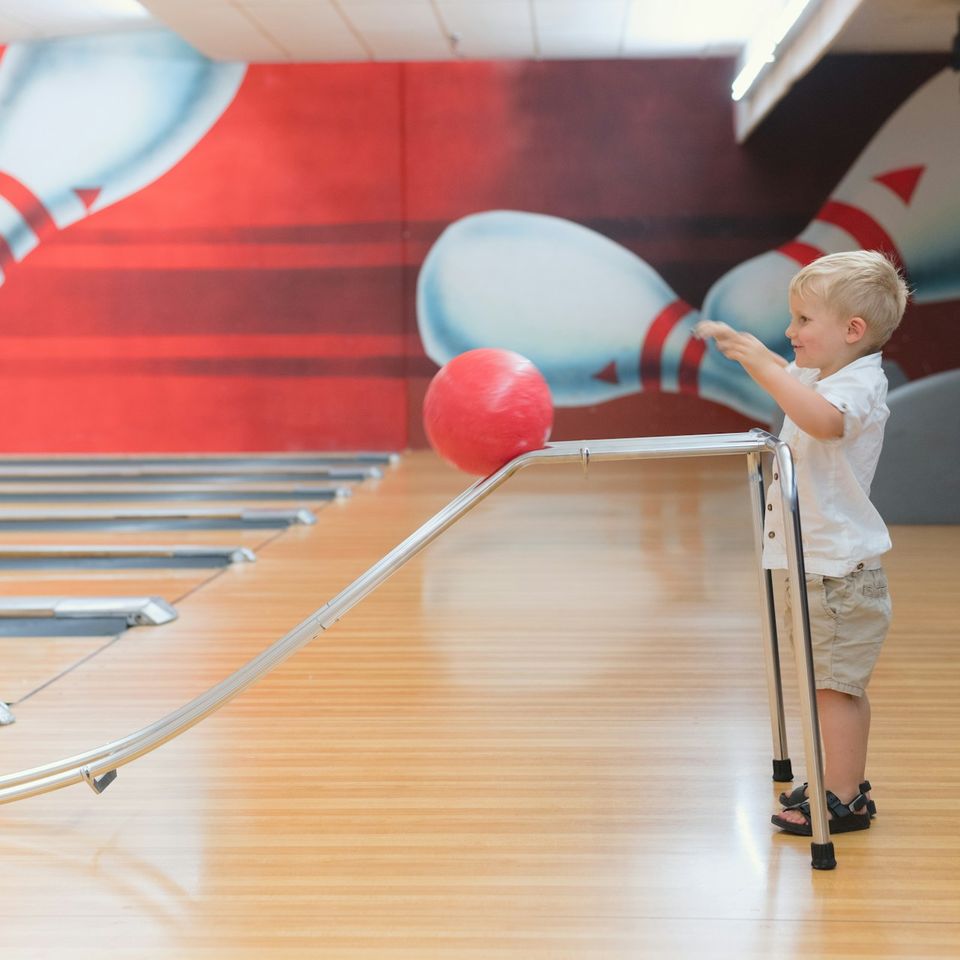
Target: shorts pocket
{"x":875,"y":585}
{"x":836,"y":596}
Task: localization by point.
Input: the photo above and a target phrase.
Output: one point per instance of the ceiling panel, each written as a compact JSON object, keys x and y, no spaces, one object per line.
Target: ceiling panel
{"x":399,"y":29}
{"x":691,"y":27}
{"x":218,"y":30}
{"x":570,"y":28}
{"x":318,"y":30}
{"x":21,"y":20}
{"x":312,"y":30}
{"x":490,"y":29}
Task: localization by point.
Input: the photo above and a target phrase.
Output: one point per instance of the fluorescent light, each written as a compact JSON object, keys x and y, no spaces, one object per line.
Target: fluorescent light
{"x":761,"y":48}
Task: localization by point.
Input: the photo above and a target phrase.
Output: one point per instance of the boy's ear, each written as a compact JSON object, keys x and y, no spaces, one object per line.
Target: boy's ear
{"x":856,"y":329}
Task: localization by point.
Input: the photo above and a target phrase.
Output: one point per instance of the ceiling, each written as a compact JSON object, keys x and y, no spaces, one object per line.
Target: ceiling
{"x":385,"y":30}
{"x":284,"y":31}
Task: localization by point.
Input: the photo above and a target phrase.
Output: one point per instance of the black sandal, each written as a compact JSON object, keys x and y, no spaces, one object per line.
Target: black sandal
{"x":799,"y":794}
{"x":846,"y":816}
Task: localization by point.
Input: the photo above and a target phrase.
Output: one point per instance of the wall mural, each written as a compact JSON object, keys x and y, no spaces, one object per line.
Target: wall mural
{"x":600,"y":323}
{"x":88,"y":121}
{"x":201,"y":255}
{"x":197,"y":255}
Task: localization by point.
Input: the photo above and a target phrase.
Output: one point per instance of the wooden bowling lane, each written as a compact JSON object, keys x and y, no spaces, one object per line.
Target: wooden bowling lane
{"x":30,"y":663}
{"x":33,"y":663}
{"x":545,"y":737}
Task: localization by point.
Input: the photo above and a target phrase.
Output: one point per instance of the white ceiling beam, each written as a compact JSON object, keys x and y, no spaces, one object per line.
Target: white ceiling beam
{"x":799,"y":52}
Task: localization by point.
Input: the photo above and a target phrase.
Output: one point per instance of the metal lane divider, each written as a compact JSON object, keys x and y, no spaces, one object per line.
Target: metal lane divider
{"x":180,"y":555}
{"x":98,"y":767}
{"x":175,"y":474}
{"x":70,"y":493}
{"x":369,"y":457}
{"x":153,"y":519}
{"x":80,"y":616}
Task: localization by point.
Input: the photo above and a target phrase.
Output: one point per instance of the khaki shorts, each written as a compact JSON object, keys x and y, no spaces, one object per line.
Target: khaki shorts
{"x":849,"y":620}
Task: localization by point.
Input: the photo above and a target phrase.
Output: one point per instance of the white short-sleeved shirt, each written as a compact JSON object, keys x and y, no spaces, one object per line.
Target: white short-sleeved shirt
{"x":842,"y":530}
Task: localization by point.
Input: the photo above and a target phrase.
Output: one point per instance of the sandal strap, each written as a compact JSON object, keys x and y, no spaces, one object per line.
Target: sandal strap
{"x":865,"y":788}
{"x":798,"y":794}
{"x":795,"y":796}
{"x":836,"y":806}
{"x":839,"y":809}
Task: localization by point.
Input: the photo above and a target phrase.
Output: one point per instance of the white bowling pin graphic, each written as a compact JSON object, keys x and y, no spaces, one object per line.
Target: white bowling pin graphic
{"x":86,"y":121}
{"x":597,"y":321}
{"x":902,"y":196}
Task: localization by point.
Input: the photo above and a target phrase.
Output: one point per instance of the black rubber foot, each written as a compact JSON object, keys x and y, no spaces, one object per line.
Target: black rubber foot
{"x":822,"y":856}
{"x":782,"y":770}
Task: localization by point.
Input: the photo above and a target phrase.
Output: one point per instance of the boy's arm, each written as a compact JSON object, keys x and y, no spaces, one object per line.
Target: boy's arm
{"x":802,"y":404}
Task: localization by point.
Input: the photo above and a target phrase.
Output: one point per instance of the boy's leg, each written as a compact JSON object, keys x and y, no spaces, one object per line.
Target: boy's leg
{"x":845,"y":648}
{"x":845,"y":731}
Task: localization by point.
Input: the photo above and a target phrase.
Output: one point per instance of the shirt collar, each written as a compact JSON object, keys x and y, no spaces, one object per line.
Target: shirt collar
{"x":871,"y":360}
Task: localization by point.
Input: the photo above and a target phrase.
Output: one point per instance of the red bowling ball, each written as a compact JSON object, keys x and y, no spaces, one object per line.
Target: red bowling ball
{"x":486,"y":407}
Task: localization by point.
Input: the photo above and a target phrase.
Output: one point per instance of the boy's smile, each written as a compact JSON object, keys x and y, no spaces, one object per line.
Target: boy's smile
{"x":821,"y":339}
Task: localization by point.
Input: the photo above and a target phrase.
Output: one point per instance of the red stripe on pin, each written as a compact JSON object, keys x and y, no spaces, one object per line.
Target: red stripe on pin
{"x":27,"y":204}
{"x":688,"y":377}
{"x":652,"y":350}
{"x":861,"y":226}
{"x":6,"y":255}
{"x":803,"y":253}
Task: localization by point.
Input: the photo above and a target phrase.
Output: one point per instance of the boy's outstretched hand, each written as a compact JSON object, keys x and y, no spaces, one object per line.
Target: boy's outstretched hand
{"x":745,"y":348}
{"x":805,"y":407}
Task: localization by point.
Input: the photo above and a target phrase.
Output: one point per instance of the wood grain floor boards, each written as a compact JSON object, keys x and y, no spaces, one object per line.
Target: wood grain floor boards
{"x":546,"y":737}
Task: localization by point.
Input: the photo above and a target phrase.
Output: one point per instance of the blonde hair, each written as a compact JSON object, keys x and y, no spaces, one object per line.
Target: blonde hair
{"x":858,"y":283}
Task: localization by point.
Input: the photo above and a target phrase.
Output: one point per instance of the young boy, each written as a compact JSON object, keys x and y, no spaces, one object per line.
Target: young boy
{"x":843,"y":308}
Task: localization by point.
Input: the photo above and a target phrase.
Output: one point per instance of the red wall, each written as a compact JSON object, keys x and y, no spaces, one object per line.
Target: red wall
{"x":260,"y":295}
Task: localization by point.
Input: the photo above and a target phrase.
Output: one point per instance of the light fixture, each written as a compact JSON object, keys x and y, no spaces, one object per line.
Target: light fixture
{"x":761,"y":48}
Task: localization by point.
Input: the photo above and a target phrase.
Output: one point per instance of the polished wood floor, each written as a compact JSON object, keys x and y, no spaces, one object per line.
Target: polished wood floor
{"x":546,"y":737}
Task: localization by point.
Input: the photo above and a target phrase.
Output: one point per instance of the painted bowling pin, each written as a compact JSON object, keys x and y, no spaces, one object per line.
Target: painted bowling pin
{"x":86,"y":121}
{"x":597,"y":320}
{"x":902,"y":195}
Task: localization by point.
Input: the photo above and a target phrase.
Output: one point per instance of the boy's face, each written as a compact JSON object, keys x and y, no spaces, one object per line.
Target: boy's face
{"x":819,"y":336}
